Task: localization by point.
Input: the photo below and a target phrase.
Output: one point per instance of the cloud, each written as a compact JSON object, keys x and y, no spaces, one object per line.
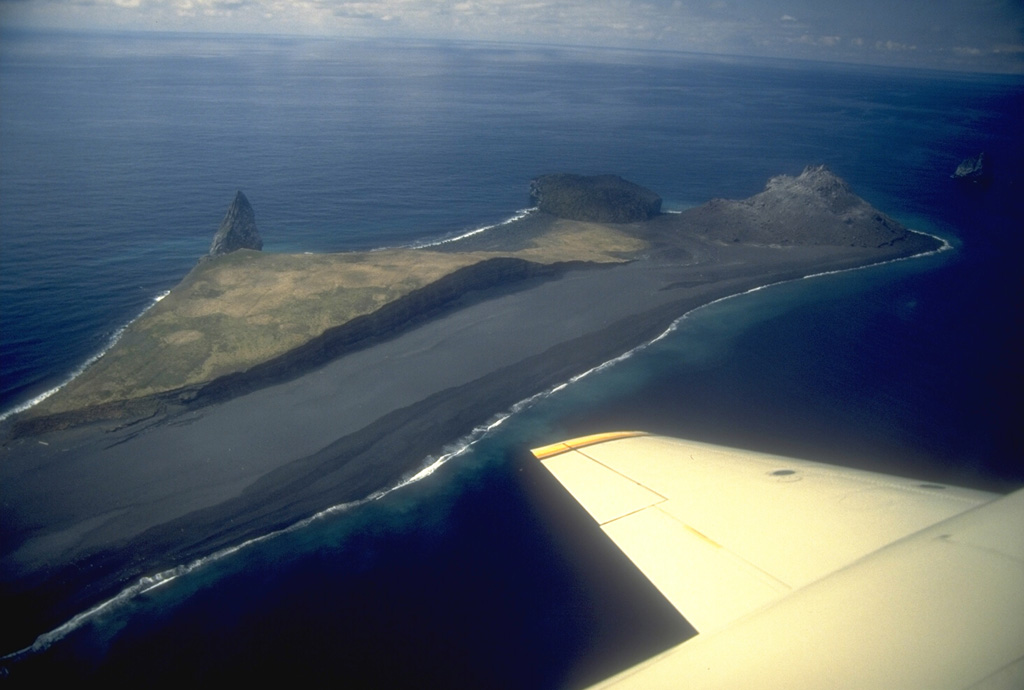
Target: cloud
{"x":1015,"y":49}
{"x":894,"y":46}
{"x":361,"y":10}
{"x":816,"y":41}
{"x":905,"y":32}
{"x":211,"y":8}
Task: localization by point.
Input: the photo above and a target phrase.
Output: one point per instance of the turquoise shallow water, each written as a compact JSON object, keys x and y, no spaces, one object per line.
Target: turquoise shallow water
{"x":910,"y":368}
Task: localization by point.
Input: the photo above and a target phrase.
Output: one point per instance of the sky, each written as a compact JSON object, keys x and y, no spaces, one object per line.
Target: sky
{"x":972,"y":35}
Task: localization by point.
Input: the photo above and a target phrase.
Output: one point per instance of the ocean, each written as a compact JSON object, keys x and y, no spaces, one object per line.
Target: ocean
{"x":119,"y":154}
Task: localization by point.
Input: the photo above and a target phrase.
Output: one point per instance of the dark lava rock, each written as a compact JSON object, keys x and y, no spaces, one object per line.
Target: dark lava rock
{"x":598,"y":199}
{"x":976,"y":170}
{"x":815,"y":208}
{"x":237,"y":230}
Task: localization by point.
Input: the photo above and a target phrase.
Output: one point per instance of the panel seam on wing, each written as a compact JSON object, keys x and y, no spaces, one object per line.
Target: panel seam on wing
{"x":624,"y":476}
{"x":732,"y":554}
{"x":640,"y":510}
{"x":697,"y":533}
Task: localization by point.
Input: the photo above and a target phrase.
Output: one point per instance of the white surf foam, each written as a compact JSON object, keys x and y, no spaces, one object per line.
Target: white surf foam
{"x":464,"y":444}
{"x":151,"y":582}
{"x":519,"y":215}
{"x":946,"y":246}
{"x":430,"y":465}
{"x":84,"y":365}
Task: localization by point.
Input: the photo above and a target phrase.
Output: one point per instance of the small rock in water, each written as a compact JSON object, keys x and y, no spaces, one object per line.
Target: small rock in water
{"x":976,"y":170}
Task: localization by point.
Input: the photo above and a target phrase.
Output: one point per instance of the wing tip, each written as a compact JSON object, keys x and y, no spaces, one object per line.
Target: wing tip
{"x":549,"y":451}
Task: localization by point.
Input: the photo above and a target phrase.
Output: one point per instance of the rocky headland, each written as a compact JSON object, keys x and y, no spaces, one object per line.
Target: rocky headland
{"x":266,"y":387}
{"x":597,"y":198}
{"x":814,"y":209}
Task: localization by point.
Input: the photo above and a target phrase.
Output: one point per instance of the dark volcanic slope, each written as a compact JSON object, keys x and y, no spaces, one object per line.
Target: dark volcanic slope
{"x":816,"y":208}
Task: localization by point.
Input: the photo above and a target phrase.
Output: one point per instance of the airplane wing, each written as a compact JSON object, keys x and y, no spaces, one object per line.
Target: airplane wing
{"x":801,"y":574}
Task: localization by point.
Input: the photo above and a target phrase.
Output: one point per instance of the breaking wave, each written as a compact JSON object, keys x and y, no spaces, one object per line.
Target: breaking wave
{"x":429,"y":466}
{"x":946,"y":246}
{"x":518,"y":215}
{"x":115,"y":336}
{"x":464,"y":444}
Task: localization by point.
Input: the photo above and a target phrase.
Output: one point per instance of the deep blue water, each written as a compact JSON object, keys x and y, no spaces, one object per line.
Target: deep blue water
{"x":119,"y":155}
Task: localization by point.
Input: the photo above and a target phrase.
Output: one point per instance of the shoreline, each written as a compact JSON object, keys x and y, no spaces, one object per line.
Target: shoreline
{"x":288,"y":489}
{"x":453,"y":291}
{"x":26,"y":405}
{"x":248,"y":319}
{"x":420,"y":352}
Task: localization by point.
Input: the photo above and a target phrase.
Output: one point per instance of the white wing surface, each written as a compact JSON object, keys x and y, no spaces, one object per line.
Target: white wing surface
{"x":801,"y":574}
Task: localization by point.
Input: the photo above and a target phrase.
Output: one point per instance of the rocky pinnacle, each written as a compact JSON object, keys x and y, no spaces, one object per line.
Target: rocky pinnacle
{"x":237,"y":230}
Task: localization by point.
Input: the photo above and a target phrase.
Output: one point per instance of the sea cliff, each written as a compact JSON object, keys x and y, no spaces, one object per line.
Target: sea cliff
{"x":596,"y":198}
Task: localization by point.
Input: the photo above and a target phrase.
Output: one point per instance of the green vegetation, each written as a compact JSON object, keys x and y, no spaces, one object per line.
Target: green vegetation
{"x":247,"y":307}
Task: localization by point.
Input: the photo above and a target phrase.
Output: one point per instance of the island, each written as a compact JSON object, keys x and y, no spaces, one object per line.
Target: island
{"x":266,"y":387}
{"x":975,"y":170}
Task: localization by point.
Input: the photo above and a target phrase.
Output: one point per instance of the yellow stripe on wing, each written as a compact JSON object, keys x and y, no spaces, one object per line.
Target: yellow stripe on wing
{"x":572,"y":444}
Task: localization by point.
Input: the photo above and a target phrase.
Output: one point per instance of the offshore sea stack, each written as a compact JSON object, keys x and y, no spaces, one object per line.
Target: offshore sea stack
{"x":237,"y":230}
{"x":974,"y":170}
{"x":595,"y":199}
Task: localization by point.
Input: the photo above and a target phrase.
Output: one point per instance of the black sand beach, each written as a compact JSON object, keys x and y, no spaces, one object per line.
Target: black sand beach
{"x":134,"y":499}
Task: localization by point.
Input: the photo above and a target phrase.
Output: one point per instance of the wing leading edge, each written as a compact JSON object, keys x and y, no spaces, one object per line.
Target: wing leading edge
{"x":801,"y":574}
